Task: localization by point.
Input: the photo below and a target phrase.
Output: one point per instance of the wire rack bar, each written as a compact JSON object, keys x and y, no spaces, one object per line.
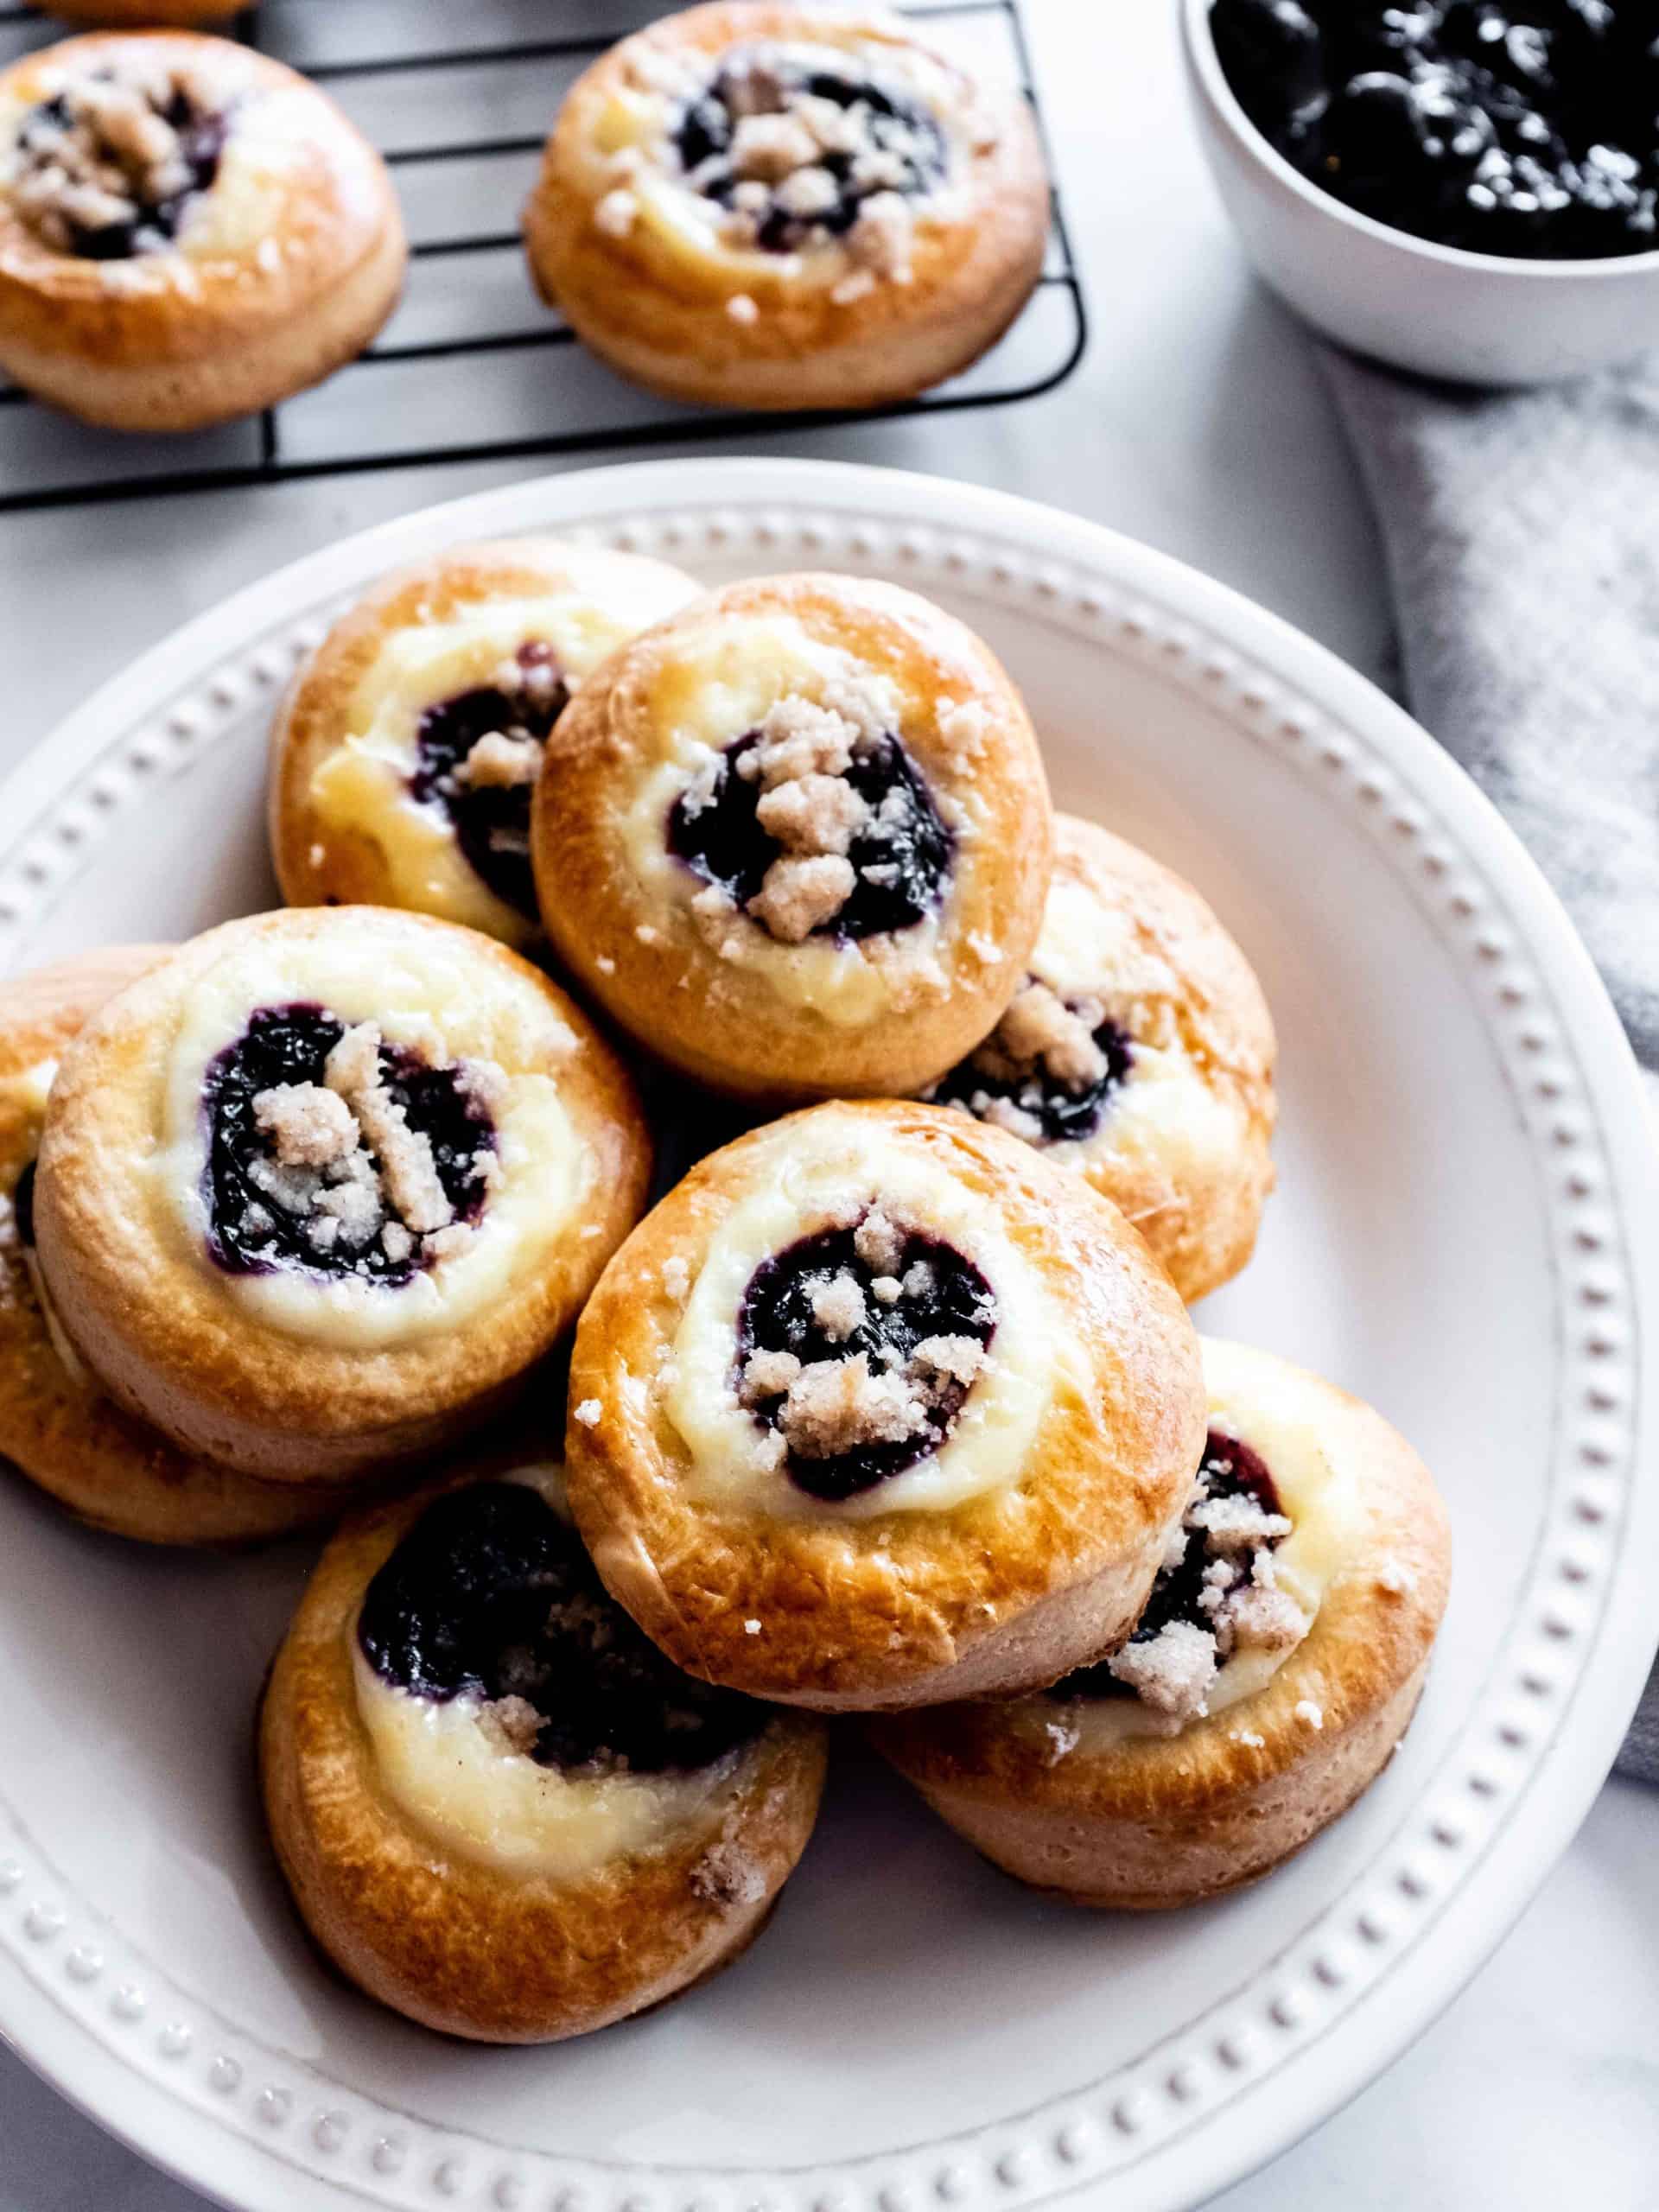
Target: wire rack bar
{"x":86,"y":467}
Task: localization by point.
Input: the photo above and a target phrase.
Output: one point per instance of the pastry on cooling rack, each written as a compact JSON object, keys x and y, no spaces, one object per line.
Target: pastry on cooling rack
{"x":316,"y":1193}
{"x":1139,"y":1050}
{"x":56,"y":1425}
{"x":406,"y":752}
{"x":787,"y":206}
{"x":875,"y":1408}
{"x":796,"y":838}
{"x":189,"y":231}
{"x":1275,"y":1669}
{"x":501,"y":1809}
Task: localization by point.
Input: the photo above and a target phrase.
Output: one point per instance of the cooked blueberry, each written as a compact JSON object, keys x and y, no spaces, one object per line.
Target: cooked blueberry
{"x":23,"y":1205}
{"x":487,"y":794}
{"x":491,"y":1595}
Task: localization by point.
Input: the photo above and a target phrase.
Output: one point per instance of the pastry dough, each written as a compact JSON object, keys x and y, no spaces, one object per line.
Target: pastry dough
{"x":1276,"y":1669}
{"x":315,"y":1194}
{"x":189,"y":231}
{"x":1140,"y":1051}
{"x":783,"y":206}
{"x":875,"y":1408}
{"x":405,"y":754}
{"x":500,"y":1810}
{"x":796,"y":838}
{"x":56,"y":1426}
{"x":139,"y":15}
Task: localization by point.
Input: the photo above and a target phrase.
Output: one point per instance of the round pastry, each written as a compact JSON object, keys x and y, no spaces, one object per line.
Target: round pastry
{"x":56,"y":1426}
{"x":405,"y":754}
{"x":1139,"y":1050}
{"x":189,"y":231}
{"x":796,"y":838}
{"x":316,"y":1193}
{"x":501,"y":1809}
{"x":1277,"y":1666}
{"x":787,"y":206}
{"x":876,"y":1409}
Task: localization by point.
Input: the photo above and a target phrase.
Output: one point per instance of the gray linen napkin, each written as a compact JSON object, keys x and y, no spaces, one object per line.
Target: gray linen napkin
{"x":1521,"y":530}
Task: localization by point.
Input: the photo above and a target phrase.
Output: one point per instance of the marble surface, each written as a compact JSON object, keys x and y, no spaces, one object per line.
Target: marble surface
{"x":1196,"y":422}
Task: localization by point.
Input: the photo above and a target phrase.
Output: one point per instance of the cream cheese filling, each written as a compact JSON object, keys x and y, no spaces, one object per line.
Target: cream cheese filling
{"x":1271,"y":1406}
{"x":453,"y":1777}
{"x":823,"y":1176}
{"x":429,"y":997}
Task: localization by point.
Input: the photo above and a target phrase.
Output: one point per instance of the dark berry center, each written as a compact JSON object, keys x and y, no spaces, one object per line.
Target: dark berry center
{"x":864,"y":1322}
{"x":491,"y":1595}
{"x":23,"y":1205}
{"x":1030,"y":1099}
{"x":264,"y":1213}
{"x":99,"y":196}
{"x":487,"y":805}
{"x":900,"y":859}
{"x":1229,"y":1469}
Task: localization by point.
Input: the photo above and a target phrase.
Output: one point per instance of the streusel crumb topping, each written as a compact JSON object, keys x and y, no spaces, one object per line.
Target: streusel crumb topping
{"x":106,"y":165}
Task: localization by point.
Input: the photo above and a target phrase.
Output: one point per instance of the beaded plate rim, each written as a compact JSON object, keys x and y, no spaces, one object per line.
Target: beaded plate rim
{"x":1276,"y":2055}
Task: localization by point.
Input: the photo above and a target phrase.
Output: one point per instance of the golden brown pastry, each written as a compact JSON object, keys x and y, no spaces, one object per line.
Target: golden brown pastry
{"x":875,"y":1408}
{"x":1276,"y":1667}
{"x":796,"y":838}
{"x":1139,"y":1050}
{"x":189,"y":231}
{"x":407,"y":750}
{"x":316,"y":1193}
{"x":501,"y":1809}
{"x":787,"y":206}
{"x":138,"y":14}
{"x":56,"y":1425}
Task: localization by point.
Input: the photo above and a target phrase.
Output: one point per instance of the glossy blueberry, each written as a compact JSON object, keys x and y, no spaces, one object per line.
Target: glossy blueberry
{"x":491,"y":821}
{"x":1065,"y":1115}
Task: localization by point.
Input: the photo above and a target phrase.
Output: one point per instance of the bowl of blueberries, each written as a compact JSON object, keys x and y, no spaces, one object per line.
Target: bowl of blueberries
{"x":1466,"y":189}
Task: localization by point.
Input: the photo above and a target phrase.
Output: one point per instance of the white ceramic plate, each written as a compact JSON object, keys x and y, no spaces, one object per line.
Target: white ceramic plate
{"x":1466,"y":1231}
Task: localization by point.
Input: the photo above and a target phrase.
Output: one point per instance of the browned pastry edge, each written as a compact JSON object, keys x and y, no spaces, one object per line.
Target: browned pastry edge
{"x":318,"y":863}
{"x":56,"y":1427}
{"x":1166,"y":1820}
{"x":138,"y":14}
{"x":471,"y":1949}
{"x":244,"y":332}
{"x":999,"y":1594}
{"x":666,"y":325}
{"x":723,"y":1024}
{"x":168,"y":1343}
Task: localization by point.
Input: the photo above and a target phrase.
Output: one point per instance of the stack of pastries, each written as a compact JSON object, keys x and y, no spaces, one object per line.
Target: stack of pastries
{"x":889,"y":1406}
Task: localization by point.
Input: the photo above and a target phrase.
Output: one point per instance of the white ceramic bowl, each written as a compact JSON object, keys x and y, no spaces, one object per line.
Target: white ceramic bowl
{"x":1473,"y":318}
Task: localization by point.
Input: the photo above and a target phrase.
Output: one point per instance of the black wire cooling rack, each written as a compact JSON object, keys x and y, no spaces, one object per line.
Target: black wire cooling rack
{"x":472,"y":366}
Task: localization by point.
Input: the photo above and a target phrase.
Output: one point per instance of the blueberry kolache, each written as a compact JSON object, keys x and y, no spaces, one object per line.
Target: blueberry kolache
{"x":795,"y":839}
{"x":500,"y":1808}
{"x":875,"y":1408}
{"x":316,"y":1194}
{"x":1528,"y":127}
{"x":787,"y":206}
{"x":189,"y":231}
{"x":405,"y":753}
{"x":57,"y":1427}
{"x":1274,"y":1673}
{"x":1139,"y":1052}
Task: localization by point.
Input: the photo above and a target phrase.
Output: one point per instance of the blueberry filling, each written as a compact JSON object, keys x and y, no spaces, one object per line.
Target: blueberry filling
{"x":898,"y":858}
{"x":796,"y":151}
{"x":107,"y":168}
{"x":1029,"y":1094}
{"x":1212,"y":1585}
{"x":1523,"y":127}
{"x":478,"y":758}
{"x":23,"y":1205}
{"x":858,"y":1347}
{"x":491,"y":1595}
{"x":294,"y":1179}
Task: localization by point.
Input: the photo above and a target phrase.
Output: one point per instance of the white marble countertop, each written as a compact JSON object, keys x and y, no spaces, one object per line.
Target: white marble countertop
{"x":1196,"y":422}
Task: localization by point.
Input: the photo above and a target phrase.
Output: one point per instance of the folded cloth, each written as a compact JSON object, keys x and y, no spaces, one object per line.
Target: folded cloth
{"x":1521,"y":530}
